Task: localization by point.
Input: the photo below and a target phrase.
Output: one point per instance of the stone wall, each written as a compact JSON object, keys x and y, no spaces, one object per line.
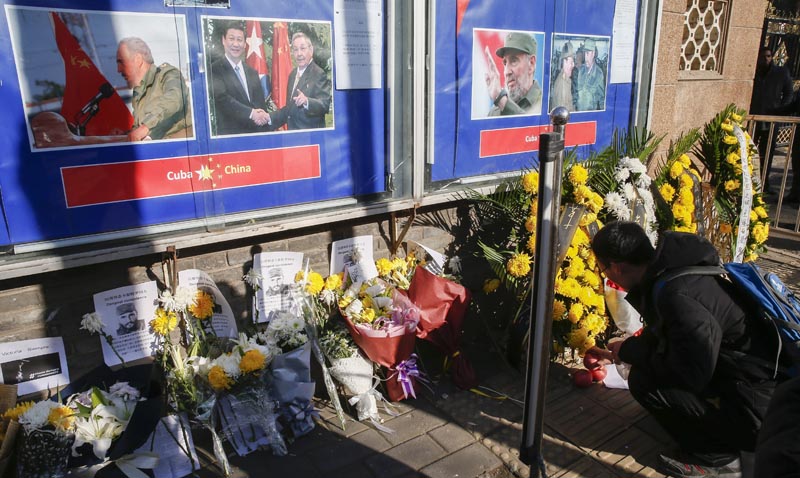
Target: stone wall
{"x":683,"y":101}
{"x":52,"y":304}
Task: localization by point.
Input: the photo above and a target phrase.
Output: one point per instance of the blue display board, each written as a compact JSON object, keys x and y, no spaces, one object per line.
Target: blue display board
{"x":73,"y":106}
{"x":511,"y":65}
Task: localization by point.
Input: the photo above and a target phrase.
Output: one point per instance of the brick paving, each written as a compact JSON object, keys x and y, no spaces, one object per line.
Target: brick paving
{"x":449,"y":433}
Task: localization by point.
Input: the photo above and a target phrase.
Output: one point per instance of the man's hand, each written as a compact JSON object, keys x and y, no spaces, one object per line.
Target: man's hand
{"x":492,"y":76}
{"x":605,"y":356}
{"x":139,"y":133}
{"x":301,"y":99}
{"x":260,"y":117}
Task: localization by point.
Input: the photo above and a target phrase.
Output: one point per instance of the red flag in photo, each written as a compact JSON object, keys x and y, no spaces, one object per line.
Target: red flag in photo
{"x":281,"y":62}
{"x":255,"y":54}
{"x":85,"y":85}
{"x":492,"y":40}
{"x":461,"y":9}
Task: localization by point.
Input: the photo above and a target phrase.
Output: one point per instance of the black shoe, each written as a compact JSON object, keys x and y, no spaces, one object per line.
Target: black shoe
{"x":678,"y":469}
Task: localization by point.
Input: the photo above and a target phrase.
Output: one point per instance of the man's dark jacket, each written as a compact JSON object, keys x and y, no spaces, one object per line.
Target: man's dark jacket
{"x":697,"y":317}
{"x":314,"y":83}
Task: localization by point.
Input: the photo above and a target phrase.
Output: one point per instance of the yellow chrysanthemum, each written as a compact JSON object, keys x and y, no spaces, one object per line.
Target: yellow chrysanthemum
{"x":164,"y":322}
{"x":61,"y":418}
{"x":13,"y":413}
{"x":667,"y":192}
{"x":675,"y":170}
{"x":384,"y":266}
{"x":761,"y":233}
{"x":728,"y":139}
{"x":333,"y":282}
{"x":531,"y":244}
{"x":685,"y":160}
{"x":559,"y":309}
{"x":490,"y":285}
{"x":203,"y":307}
{"x":732,"y":185}
{"x":577,"y":337}
{"x":587,"y":218}
{"x":315,"y":283}
{"x":733,"y":158}
{"x":575,"y":313}
{"x":218,"y":379}
{"x":736,"y":118}
{"x":578,"y":174}
{"x":530,"y":224}
{"x":725,"y":228}
{"x":753,"y":216}
{"x":569,"y":288}
{"x":519,"y":265}
{"x":760,"y":211}
{"x":530,"y":182}
{"x":591,"y":278}
{"x":252,"y":360}
{"x":727,"y":127}
{"x":686,"y":181}
{"x":596,"y":202}
{"x":686,"y":198}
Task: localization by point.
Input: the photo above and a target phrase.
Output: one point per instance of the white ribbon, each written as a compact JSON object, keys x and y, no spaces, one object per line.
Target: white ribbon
{"x":131,"y":465}
{"x":367,"y":407}
{"x":747,"y":198}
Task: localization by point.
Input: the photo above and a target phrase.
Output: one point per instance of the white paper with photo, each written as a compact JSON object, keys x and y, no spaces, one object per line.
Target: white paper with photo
{"x":277,"y":271}
{"x":126,"y":313}
{"x":222,"y":320}
{"x":345,"y":251}
{"x":172,"y":441}
{"x":34,"y":365}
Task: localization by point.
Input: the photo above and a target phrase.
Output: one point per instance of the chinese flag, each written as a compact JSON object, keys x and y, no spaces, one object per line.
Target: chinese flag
{"x":255,"y":53}
{"x":84,"y":82}
{"x":281,"y":63}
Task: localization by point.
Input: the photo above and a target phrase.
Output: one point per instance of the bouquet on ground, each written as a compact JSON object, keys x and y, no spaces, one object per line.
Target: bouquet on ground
{"x":44,"y":440}
{"x":289,"y":376}
{"x":237,"y":403}
{"x":354,"y":372}
{"x":383,"y":322}
{"x":443,"y":307}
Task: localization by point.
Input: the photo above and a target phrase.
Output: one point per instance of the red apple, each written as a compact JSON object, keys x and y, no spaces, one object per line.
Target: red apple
{"x":599,"y":374}
{"x":582,"y":378}
{"x":591,"y":360}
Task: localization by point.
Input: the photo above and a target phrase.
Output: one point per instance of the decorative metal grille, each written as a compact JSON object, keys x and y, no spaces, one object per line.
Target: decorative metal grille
{"x":704,"y":31}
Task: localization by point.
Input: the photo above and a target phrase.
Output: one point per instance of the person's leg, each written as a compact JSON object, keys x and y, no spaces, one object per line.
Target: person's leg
{"x":698,"y":427}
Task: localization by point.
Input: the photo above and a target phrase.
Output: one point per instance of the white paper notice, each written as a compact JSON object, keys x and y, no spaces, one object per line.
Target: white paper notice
{"x":277,"y":270}
{"x":126,"y":313}
{"x":437,"y":257}
{"x":172,"y":441}
{"x":354,"y":256}
{"x":358,"y":36}
{"x":624,"y":41}
{"x":222,"y":321}
{"x":34,"y":365}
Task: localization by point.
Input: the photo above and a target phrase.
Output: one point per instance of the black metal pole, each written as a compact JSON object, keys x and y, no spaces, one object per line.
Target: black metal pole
{"x":551,"y":147}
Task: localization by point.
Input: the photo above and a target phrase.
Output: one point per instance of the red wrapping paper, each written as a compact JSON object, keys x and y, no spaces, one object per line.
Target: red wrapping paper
{"x":443,"y":307}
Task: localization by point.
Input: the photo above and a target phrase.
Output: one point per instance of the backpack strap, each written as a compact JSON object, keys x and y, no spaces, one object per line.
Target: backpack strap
{"x":671,"y":274}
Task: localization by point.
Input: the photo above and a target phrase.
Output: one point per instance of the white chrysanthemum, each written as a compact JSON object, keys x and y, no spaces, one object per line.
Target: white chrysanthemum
{"x":197,"y":365}
{"x":629,"y":192}
{"x":253,"y":278}
{"x":167,"y":301}
{"x":643,"y":181}
{"x":633,"y":164}
{"x":622,"y":174}
{"x":92,"y":322}
{"x":124,"y":391}
{"x":36,"y":417}
{"x":455,"y":264}
{"x":229,"y":363}
{"x":185,"y":296}
{"x":617,"y":206}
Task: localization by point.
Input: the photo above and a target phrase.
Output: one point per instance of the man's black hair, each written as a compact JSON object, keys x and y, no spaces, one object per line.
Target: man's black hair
{"x":623,"y":241}
{"x":236,"y":25}
{"x":765,"y":48}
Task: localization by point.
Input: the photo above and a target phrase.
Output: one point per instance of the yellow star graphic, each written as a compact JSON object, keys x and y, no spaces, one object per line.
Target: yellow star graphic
{"x":205,"y":173}
{"x":83,"y":62}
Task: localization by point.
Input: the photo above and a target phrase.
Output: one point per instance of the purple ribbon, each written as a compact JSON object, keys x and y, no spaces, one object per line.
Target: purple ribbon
{"x":405,"y":370}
